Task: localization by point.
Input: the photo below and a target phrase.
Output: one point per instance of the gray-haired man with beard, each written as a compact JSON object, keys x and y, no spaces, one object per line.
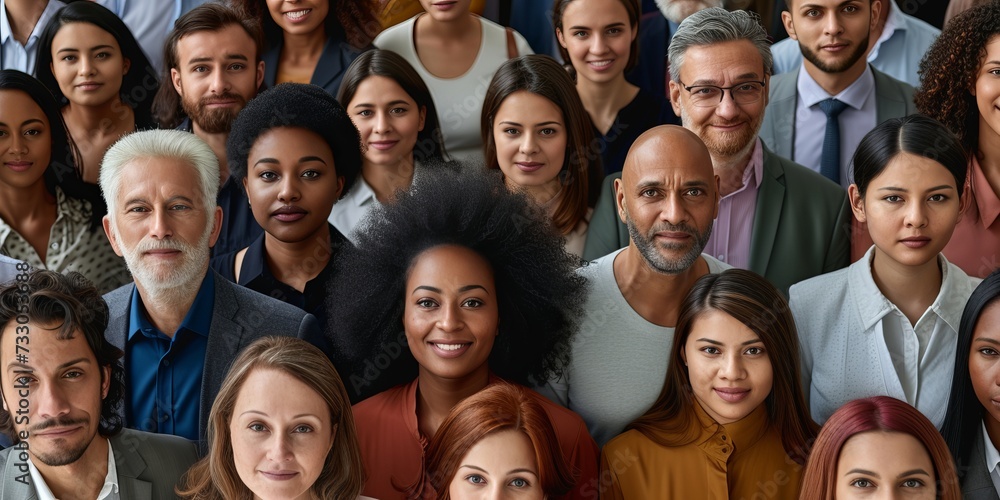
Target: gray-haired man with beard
{"x":180,"y":325}
{"x":668,"y":196}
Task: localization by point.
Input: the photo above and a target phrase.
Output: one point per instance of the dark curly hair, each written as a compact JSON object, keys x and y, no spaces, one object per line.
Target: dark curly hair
{"x":296,"y":105}
{"x":74,"y":304}
{"x":539,"y":294}
{"x":950,"y":69}
{"x":355,"y":21}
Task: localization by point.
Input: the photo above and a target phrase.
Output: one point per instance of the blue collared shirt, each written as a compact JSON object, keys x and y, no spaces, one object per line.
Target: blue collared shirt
{"x":13,"y":55}
{"x":163,"y":374}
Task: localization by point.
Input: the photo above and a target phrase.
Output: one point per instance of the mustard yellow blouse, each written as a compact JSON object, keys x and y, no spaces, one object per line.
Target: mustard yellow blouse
{"x":734,"y":461}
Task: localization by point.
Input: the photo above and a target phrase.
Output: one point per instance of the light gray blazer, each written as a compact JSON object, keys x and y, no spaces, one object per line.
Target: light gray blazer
{"x":894,"y":99}
{"x":240,"y":316}
{"x":149,"y":467}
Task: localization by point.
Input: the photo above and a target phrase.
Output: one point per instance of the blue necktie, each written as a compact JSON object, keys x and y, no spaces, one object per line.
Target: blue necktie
{"x":830,"y":161}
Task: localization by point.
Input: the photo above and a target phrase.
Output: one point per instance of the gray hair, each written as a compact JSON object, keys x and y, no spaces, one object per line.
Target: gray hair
{"x":173,"y":144}
{"x":717,"y":25}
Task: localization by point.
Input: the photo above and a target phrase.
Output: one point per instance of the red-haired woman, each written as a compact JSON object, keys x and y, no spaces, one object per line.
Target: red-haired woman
{"x":883,"y":446}
{"x":498,"y":440}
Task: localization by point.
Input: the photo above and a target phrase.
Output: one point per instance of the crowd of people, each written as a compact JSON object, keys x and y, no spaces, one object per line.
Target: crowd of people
{"x":371,"y":249}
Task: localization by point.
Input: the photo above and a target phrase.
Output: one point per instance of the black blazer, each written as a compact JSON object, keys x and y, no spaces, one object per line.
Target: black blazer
{"x":333,"y":62}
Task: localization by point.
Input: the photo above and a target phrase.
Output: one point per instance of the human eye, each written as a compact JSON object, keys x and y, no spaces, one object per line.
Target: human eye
{"x":23,"y":380}
{"x":310,"y":174}
{"x":694,"y":192}
{"x":73,"y":374}
{"x":547,"y":131}
{"x":476,"y":479}
{"x":473,"y":303}
{"x":851,"y":9}
{"x":579,"y":34}
{"x":893,"y":198}
{"x":426,"y":303}
{"x":267,"y":176}
{"x":710,"y":350}
{"x":32,"y":132}
{"x":649,"y":193}
{"x":912,"y":483}
{"x":398,"y":111}
{"x":237,"y":67}
{"x":137,"y":209}
{"x":302,"y":429}
{"x":69,"y":58}
{"x":257,"y":427}
{"x":103,"y":55}
{"x":754,"y":351}
{"x":988,"y":351}
{"x":179,"y":206}
{"x":614,"y":31}
{"x":938,"y":197}
{"x":862,"y":483}
{"x":704,"y":91}
{"x":199,"y":69}
{"x":511,"y":131}
{"x":365,"y":112}
{"x":519,"y":482}
{"x":994,"y":71}
{"x":812,"y":13}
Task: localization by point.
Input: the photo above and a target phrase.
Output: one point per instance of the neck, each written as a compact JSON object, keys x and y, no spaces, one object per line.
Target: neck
{"x":911,"y":288}
{"x":835,"y":83}
{"x":23,"y":15}
{"x":731,"y":169}
{"x":436,"y":396}
{"x":602,"y":98}
{"x":542,"y":194}
{"x":457,"y":29}
{"x":303,"y":45}
{"x":657,"y":297}
{"x":81,"y":479}
{"x":110,"y":117}
{"x":387,"y":180}
{"x":299,"y":262}
{"x":218,"y":144}
{"x":18,"y":205}
{"x":166,"y":308}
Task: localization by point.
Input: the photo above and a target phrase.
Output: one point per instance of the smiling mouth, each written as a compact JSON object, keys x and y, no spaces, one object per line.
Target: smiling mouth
{"x":295,"y":15}
{"x":732,"y":395}
{"x":280,"y":475}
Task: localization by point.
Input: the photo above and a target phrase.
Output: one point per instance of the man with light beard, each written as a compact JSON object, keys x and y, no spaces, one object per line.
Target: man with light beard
{"x":652,"y":73}
{"x":62,"y":385}
{"x":818,"y":113}
{"x":776,"y":218}
{"x":180,"y":324}
{"x":213,"y":66}
{"x":667,"y":196}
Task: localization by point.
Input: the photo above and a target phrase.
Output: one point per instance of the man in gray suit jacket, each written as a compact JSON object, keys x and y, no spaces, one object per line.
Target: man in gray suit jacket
{"x":180,"y":324}
{"x":62,"y":383}
{"x":776,"y":218}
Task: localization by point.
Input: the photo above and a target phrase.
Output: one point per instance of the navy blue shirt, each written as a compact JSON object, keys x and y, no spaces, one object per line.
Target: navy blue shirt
{"x":163,"y":374}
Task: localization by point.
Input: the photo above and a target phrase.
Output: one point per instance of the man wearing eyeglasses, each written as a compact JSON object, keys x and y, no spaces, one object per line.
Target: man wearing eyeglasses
{"x":776,"y":218}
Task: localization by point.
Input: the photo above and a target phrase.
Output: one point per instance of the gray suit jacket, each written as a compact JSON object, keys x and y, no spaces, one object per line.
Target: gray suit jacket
{"x":8,"y":269}
{"x":240,"y":317}
{"x":149,"y":467}
{"x":894,"y":99}
{"x":976,"y":481}
{"x":801,"y":228}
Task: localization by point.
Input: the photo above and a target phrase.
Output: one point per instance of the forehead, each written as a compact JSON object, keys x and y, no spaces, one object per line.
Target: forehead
{"x":733,"y":60}
{"x":881,"y":451}
{"x":277,"y":393}
{"x":450,"y":265}
{"x":915,"y":172}
{"x":19,"y":106}
{"x":82,"y":35}
{"x":46,"y":350}
{"x":672,"y":161}
{"x":230,"y":41}
{"x":290,"y":142}
{"x":158,"y":177}
{"x":526,"y":107}
{"x":589,"y":13}
{"x":377,"y":88}
{"x":827,"y":4}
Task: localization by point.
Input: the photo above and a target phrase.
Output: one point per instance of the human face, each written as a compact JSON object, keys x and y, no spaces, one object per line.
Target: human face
{"x":446,"y":10}
{"x":160,"y":224}
{"x":25,"y":140}
{"x":88,"y":64}
{"x":501,"y":465}
{"x":987,"y":93}
{"x":530,"y":137}
{"x":679,"y":10}
{"x":885,"y":465}
{"x":728,"y":129}
{"x":984,"y":365}
{"x":832,"y":34}
{"x":63,"y":386}
{"x":299,"y":17}
{"x":911,"y":208}
{"x":281,"y":435}
{"x":668,"y":197}
{"x":729,"y":368}
{"x":292,"y":183}
{"x":216,"y":75}
{"x":597,"y":35}
{"x":450,"y":315}
{"x":388,"y":120}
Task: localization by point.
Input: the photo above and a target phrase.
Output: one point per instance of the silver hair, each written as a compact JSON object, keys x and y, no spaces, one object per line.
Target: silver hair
{"x":717,"y":25}
{"x":174,"y":144}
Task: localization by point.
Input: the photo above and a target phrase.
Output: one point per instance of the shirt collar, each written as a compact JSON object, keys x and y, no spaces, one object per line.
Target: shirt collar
{"x":5,"y":31}
{"x":361,"y":193}
{"x":992,"y":456}
{"x":986,"y":199}
{"x":255,"y":259}
{"x":197,"y":320}
{"x":744,"y":432}
{"x":109,"y":490}
{"x":893,"y":22}
{"x":753,"y":172}
{"x":873,"y":306}
{"x":854,"y":95}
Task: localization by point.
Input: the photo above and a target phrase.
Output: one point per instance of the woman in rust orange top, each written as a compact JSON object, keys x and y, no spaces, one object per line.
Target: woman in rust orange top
{"x":731,"y":421}
{"x":470,"y":283}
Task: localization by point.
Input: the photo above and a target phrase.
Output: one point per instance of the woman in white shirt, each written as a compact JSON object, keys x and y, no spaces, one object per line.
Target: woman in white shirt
{"x":887,"y":324}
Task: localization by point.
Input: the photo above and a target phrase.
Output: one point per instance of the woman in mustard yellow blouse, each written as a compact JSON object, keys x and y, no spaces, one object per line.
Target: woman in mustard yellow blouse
{"x":731,"y":421}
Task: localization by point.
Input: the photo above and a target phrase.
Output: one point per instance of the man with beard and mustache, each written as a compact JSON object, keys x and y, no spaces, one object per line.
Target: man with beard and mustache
{"x":776,"y":218}
{"x":62,"y":385}
{"x":181,"y":325}
{"x":668,"y":197}
{"x":833,"y":36}
{"x":213,"y":61}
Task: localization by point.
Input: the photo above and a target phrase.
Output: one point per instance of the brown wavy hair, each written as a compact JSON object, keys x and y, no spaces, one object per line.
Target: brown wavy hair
{"x":950,"y":68}
{"x":215,"y":477}
{"x":756,"y":303}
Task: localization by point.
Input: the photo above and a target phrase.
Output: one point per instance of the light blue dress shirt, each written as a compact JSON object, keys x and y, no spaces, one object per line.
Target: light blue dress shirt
{"x":898,"y":52}
{"x":150,"y":22}
{"x":13,"y":55}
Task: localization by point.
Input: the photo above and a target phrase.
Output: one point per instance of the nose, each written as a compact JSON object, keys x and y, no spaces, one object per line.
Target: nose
{"x":529,"y":144}
{"x":279,"y":449}
{"x":672,"y":210}
{"x":382,"y":123}
{"x":51,"y":400}
{"x":598,"y":45}
{"x":220,"y":83}
{"x":289,"y":190}
{"x":160,"y":227}
{"x":86,"y":66}
{"x":727,"y":108}
{"x":916,"y":215}
{"x":833,"y":25}
{"x":732,"y":367}
{"x":451,"y":318}
{"x":18,"y":145}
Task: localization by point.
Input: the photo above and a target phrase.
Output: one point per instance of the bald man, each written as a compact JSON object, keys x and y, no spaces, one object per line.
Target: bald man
{"x":668,"y":196}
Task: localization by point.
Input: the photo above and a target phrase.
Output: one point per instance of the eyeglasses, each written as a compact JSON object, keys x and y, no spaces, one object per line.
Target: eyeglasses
{"x":709,"y":96}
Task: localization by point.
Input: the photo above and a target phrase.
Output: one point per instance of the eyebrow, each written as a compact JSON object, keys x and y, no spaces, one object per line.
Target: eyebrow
{"x":274,"y":161}
{"x":508,"y":122}
{"x":712,"y":81}
{"x":185,"y":199}
{"x":238,"y":57}
{"x":904,"y":190}
{"x":716,"y":342}
{"x":465,"y":288}
{"x":71,"y":49}
{"x":65,"y":365}
{"x":862,"y":471}
{"x":29,"y":121}
{"x":814,"y":6}
{"x":371,"y":105}
{"x":300,"y":415}
{"x":988,"y":341}
{"x":612,"y":25}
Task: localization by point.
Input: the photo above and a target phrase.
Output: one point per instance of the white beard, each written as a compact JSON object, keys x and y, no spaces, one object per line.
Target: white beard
{"x":173,"y":284}
{"x":679,"y":10}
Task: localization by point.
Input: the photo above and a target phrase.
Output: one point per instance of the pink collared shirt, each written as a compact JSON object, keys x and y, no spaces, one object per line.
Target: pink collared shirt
{"x":730,"y":241}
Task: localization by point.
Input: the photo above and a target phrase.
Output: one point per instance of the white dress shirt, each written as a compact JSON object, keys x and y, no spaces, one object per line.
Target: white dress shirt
{"x":348,"y":212}
{"x":13,"y":55}
{"x":992,"y":458}
{"x":108,"y":492}
{"x":855,"y":343}
{"x":856,"y":120}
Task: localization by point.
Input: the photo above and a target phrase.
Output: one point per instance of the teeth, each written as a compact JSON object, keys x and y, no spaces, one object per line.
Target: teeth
{"x":450,"y":347}
{"x":297,"y":14}
{"x":600,"y":64}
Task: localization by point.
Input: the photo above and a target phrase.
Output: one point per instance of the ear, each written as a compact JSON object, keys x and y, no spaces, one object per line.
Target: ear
{"x":126,"y":65}
{"x":340,"y":187}
{"x":857,"y":203}
{"x":246,"y":181}
{"x":675,"y":97}
{"x":105,"y":380}
{"x":260,"y":73}
{"x":110,"y":232}
{"x":635,"y":31}
{"x":684,"y":355}
{"x":216,"y":226}
{"x":175,"y":78}
{"x":965,"y":200}
{"x":767,"y":88}
{"x":423,"y":118}
{"x":562,"y":40}
{"x":718,"y":195}
{"x":876,"y":10}
{"x":786,"y":19}
{"x":620,"y":199}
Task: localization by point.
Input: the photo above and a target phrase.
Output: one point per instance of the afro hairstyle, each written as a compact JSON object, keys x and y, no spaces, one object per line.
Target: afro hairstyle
{"x":539,"y":293}
{"x":296,"y":105}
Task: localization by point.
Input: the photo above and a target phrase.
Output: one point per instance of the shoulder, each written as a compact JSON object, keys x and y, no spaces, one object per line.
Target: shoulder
{"x":150,"y":444}
{"x":924,"y":30}
{"x":630,"y":440}
{"x":225,"y":265}
{"x":596,"y":271}
{"x":888,"y":87}
{"x":391,"y":38}
{"x":806,"y":182}
{"x":784,"y":84}
{"x":273,"y":308}
{"x":815,"y":294}
{"x":715,"y":266}
{"x":377,"y":406}
{"x":787,"y":48}
{"x":120,"y":296}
